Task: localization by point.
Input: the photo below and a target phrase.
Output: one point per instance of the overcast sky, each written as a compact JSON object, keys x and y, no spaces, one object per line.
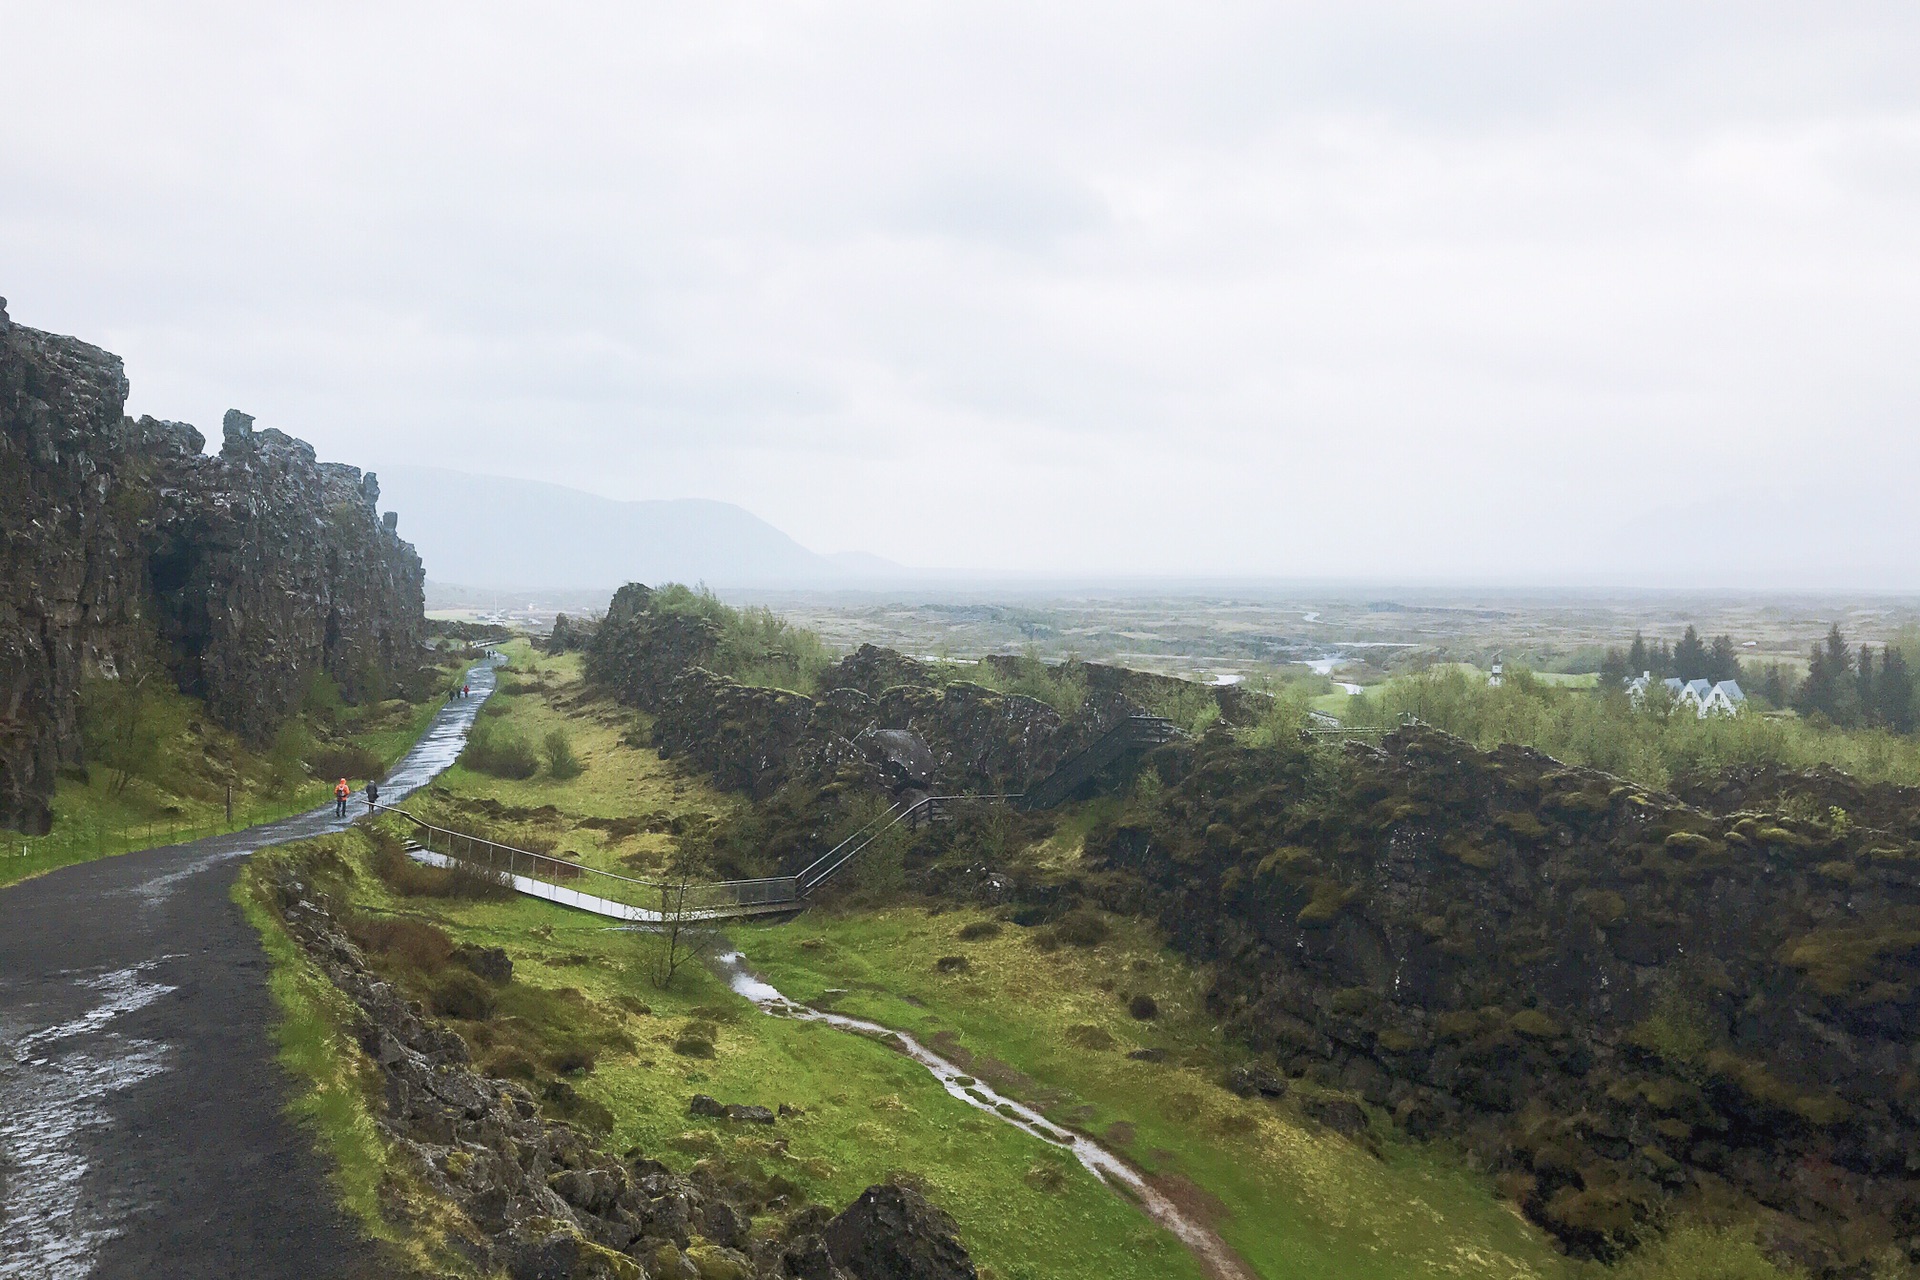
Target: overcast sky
{"x":1528,"y":291}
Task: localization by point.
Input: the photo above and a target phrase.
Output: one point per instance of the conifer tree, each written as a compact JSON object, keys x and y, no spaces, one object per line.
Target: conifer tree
{"x":1723,"y":660}
{"x":1637,"y":659}
{"x":1894,"y":691}
{"x":1690,"y":656}
{"x":1868,"y":705}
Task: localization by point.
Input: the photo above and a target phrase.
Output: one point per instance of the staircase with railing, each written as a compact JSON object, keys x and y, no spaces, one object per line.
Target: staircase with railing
{"x":1135,"y":733}
{"x":644,"y":901}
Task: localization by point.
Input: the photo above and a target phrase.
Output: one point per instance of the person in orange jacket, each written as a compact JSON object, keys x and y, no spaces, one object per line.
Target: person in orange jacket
{"x":340,"y":793}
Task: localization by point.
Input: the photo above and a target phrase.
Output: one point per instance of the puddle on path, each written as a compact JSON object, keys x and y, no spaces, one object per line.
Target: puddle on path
{"x":56,"y":1081}
{"x":54,"y":1085}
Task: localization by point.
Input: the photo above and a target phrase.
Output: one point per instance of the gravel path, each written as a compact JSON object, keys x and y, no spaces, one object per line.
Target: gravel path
{"x":143,"y":1126}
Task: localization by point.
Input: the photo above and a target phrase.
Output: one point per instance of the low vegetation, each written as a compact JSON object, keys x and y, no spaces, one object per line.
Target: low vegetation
{"x":157,"y":770}
{"x":1082,"y":1012}
{"x":1656,"y":744}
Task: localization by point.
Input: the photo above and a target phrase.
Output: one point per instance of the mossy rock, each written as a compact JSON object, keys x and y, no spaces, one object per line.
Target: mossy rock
{"x":1868,"y":963}
{"x":1535,"y":1025}
{"x":1330,"y":898}
{"x":1520,"y":824}
{"x":1288,"y":862}
{"x":1821,"y":1109}
{"x":1463,"y":849}
{"x":1587,"y":802}
{"x":1394,"y":1040}
{"x":1602,"y":906}
{"x":715,"y":1262}
{"x":1459,"y":1024}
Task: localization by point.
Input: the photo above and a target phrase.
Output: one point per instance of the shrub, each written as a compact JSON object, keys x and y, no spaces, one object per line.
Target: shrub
{"x":562,"y":763}
{"x":344,"y":761}
{"x":405,"y":876}
{"x":1082,"y":927}
{"x":500,"y":751}
{"x":413,"y":944}
{"x":952,"y":964}
{"x":1087,"y":1036}
{"x":980,"y":929}
{"x":574,"y":1059}
{"x":461,"y":994}
{"x":1143,"y":1008}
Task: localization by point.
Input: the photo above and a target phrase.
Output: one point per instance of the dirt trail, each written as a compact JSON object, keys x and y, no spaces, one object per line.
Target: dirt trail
{"x":143,"y":1126}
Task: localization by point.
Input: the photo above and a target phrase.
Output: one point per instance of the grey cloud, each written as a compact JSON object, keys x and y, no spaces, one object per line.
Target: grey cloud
{"x":1486,"y":273}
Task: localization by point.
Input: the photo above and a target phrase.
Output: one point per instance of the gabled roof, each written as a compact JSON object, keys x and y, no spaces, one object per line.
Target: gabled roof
{"x":1732,"y":689}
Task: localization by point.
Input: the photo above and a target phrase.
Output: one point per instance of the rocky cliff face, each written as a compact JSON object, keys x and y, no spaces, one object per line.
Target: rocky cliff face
{"x":243,"y":575}
{"x":1621,"y":1001}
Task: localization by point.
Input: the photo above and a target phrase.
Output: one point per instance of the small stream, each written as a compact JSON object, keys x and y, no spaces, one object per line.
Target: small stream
{"x":1206,"y":1244}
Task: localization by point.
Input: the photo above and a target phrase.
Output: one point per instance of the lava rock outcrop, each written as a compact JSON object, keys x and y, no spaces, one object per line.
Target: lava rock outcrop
{"x":1622,"y":1002}
{"x":536,"y":1199}
{"x":128,"y":550}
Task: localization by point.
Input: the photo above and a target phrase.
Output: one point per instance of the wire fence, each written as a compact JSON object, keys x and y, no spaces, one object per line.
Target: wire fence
{"x":80,"y":838}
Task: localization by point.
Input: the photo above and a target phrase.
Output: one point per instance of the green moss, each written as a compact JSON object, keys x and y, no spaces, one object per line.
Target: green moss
{"x":1823,"y":1109}
{"x":1330,"y":898}
{"x":1603,"y":906}
{"x":1464,"y":849}
{"x":1867,"y":962}
{"x":1535,"y":1025}
{"x":1521,"y":825}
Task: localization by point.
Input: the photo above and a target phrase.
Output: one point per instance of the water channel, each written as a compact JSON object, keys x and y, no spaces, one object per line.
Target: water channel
{"x":1213,"y":1252}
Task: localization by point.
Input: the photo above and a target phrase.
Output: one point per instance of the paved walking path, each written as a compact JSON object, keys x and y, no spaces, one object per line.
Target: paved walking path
{"x":143,"y":1126}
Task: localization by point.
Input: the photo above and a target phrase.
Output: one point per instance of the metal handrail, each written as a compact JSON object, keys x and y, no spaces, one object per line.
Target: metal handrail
{"x":771,"y":890}
{"x":774,"y":889}
{"x":900,"y":813}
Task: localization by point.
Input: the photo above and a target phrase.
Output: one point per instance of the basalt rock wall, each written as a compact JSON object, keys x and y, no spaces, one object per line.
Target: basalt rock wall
{"x":1622,"y":1002}
{"x":131,"y":554}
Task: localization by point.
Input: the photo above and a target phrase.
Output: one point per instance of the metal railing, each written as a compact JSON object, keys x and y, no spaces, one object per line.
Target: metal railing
{"x":1133,"y":733}
{"x":706,"y":897}
{"x":693,"y":897}
{"x":816,"y":873}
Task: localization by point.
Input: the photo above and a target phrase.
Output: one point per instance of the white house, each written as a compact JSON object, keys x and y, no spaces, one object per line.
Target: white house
{"x":1705,"y":697}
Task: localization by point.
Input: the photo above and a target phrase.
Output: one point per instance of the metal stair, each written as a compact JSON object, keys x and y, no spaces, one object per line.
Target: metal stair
{"x":1137,"y":733}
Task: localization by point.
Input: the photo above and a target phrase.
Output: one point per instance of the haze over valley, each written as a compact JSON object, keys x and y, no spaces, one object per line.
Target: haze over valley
{"x":960,"y":642}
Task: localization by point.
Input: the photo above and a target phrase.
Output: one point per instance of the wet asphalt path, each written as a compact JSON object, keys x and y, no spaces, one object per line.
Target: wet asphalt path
{"x":143,"y":1126}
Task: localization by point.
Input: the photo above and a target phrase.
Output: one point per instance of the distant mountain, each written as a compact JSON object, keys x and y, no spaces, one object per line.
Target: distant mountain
{"x":491,"y":531}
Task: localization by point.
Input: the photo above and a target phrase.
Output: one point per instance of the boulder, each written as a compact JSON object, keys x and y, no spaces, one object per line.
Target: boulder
{"x":892,"y":1233}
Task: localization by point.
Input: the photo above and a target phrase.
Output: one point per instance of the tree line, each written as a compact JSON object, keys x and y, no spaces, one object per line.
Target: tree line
{"x":1846,"y":687}
{"x":1689,"y":658}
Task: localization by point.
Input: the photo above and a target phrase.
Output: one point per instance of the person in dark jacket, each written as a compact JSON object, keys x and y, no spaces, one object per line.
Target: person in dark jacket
{"x":373,"y":795}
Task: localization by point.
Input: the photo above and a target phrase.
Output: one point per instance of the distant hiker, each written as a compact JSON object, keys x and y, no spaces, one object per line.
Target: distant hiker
{"x":340,"y":793}
{"x":466,"y":691}
{"x":373,"y":795}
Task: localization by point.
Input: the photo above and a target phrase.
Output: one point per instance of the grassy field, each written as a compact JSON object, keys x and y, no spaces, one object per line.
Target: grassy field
{"x":181,"y":793}
{"x":1054,"y":1028}
{"x":537,"y":696}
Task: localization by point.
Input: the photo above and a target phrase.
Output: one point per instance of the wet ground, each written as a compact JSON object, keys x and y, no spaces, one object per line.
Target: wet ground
{"x":1213,"y":1253}
{"x":143,"y":1126}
